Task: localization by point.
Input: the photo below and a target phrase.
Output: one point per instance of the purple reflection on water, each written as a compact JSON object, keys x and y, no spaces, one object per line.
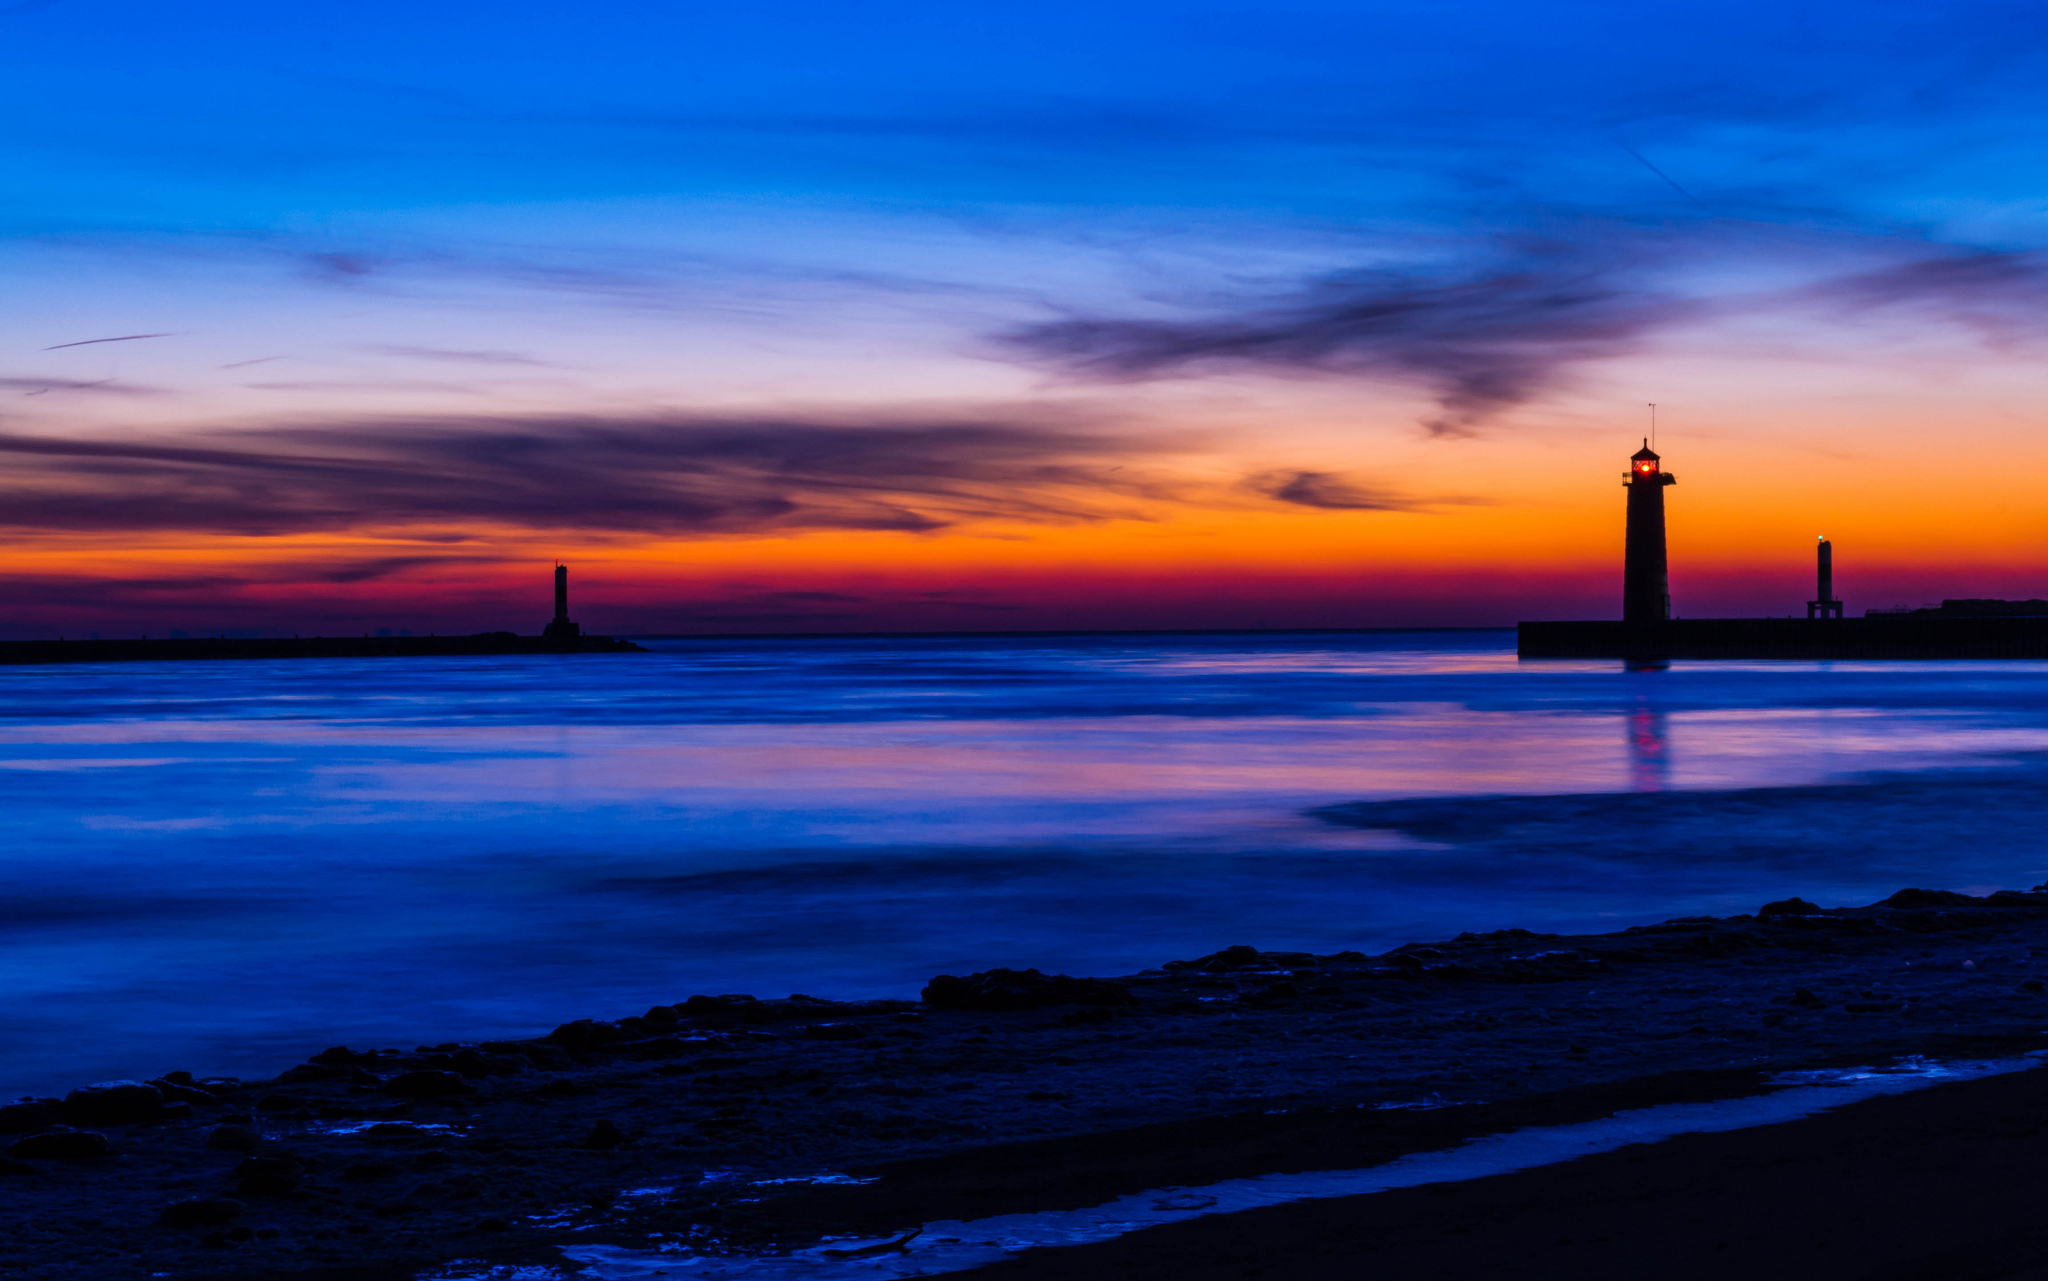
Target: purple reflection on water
{"x":221,"y":866}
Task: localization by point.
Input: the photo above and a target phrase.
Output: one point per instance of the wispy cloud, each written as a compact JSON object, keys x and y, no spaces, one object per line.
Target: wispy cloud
{"x":654,"y":474}
{"x":1331,"y":491}
{"x":657,"y":474}
{"x":457,"y":357}
{"x":1483,"y":338}
{"x":98,"y":386}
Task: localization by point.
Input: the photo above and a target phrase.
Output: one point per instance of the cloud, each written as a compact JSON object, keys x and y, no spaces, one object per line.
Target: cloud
{"x":2003,"y":297}
{"x":656,"y":474}
{"x":1328,"y":490}
{"x":101,"y":386}
{"x":1483,"y":339}
{"x":460,"y":357}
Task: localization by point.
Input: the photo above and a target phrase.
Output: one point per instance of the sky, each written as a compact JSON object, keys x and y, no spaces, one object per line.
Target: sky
{"x":795,"y":317}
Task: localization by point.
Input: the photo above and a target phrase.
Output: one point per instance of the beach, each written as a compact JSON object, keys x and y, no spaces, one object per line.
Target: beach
{"x":707,"y":1125}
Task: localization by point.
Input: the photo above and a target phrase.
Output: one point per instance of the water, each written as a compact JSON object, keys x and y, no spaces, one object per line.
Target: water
{"x":223,"y":866}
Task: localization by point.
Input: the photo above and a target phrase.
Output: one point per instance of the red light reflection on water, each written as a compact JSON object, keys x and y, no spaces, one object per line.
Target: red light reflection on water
{"x":1649,"y":755}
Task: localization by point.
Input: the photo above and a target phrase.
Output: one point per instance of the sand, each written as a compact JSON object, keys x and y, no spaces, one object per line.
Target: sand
{"x":667,"y":1125}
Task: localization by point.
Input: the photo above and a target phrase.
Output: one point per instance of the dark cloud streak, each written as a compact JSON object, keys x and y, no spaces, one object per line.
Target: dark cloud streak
{"x":652,"y":475}
{"x":1482,"y":341}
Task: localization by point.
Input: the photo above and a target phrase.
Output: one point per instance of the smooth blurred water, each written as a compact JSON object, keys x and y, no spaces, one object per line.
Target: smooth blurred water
{"x":222,"y":866}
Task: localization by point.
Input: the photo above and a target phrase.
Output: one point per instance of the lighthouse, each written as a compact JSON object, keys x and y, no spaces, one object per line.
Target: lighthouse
{"x":561,"y":628}
{"x":1645,"y":582}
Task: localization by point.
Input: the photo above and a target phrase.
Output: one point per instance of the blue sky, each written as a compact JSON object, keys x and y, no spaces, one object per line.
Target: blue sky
{"x":1802,"y":226}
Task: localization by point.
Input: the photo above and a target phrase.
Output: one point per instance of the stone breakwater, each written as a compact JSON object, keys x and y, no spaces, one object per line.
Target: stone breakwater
{"x":713,"y":1119}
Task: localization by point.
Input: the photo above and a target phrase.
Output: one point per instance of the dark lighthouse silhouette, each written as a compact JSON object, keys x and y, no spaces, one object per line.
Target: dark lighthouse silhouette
{"x":561,"y":628}
{"x":1647,"y":631}
{"x":1645,"y":574}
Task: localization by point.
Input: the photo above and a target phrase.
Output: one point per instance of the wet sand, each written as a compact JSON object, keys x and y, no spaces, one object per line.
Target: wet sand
{"x":664,"y":1126}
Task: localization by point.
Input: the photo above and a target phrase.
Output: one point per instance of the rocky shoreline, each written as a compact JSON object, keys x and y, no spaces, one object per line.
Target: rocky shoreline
{"x":734,"y":1122}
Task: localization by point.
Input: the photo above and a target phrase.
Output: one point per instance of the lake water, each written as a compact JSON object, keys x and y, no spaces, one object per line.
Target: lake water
{"x":224,"y":866}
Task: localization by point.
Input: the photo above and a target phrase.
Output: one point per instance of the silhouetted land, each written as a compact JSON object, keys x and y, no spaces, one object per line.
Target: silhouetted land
{"x":210,"y":647}
{"x":1929,"y":635}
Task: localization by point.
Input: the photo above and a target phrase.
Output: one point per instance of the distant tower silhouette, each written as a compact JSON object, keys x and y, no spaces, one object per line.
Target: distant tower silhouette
{"x":1645,"y":582}
{"x":1827,"y":606}
{"x":562,"y":628}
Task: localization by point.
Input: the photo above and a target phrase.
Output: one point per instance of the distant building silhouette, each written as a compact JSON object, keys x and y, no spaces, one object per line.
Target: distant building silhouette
{"x":1826,"y":606}
{"x":1645,"y":580}
{"x":561,"y":628}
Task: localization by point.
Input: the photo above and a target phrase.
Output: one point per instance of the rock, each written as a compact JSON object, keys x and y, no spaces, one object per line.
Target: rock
{"x":1805,"y":998}
{"x":663,"y":1016}
{"x":388,"y":1130}
{"x":1910,"y":898}
{"x":311,"y":1072}
{"x":548,"y":1058}
{"x":280,"y":1103}
{"x":203,"y":1212}
{"x":1000,"y":990}
{"x":605,"y":1136}
{"x":9,"y":1166}
{"x":581,"y":1035}
{"x":113,"y":1103}
{"x":363,"y":1170}
{"x":270,"y":1175}
{"x":1236,"y":957}
{"x":30,"y":1114}
{"x":427,"y":1085}
{"x":184,"y":1092}
{"x":233,"y":1138}
{"x":1789,"y":907}
{"x":476,"y":1065}
{"x":60,"y":1145}
{"x":836,"y":1032}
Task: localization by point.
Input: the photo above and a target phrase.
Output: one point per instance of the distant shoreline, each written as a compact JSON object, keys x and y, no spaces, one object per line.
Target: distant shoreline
{"x":1112,"y":631}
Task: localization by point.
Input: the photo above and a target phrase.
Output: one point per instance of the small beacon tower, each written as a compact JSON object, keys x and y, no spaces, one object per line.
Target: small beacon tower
{"x":561,"y":628}
{"x":1645,"y":580}
{"x":1827,"y":606}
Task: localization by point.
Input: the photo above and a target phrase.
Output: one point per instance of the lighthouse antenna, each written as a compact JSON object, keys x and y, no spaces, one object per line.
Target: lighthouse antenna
{"x":1652,"y":441}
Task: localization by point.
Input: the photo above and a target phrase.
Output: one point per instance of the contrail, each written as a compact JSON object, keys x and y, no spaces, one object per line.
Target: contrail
{"x":1661,"y":174}
{"x":90,"y":341}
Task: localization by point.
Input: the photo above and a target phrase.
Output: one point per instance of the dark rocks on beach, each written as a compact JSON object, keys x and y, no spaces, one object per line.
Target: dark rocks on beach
{"x":428,"y":1085}
{"x":1805,"y":999}
{"x":836,"y":1032}
{"x":1236,"y":957}
{"x":30,"y":1114}
{"x":1911,"y":898}
{"x":270,"y":1175}
{"x":202,"y":1212}
{"x":1789,"y":907}
{"x":185,"y":1091}
{"x":605,"y":1136}
{"x":113,"y":1103}
{"x":233,"y":1138}
{"x":473,"y":1064}
{"x":60,"y":1145}
{"x":1002,"y":990}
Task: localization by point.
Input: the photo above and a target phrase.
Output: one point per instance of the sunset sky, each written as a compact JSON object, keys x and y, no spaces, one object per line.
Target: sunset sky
{"x":906,"y":316}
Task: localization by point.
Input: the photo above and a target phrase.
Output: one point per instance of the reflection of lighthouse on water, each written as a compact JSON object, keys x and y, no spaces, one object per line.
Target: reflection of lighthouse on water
{"x":1649,"y":754}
